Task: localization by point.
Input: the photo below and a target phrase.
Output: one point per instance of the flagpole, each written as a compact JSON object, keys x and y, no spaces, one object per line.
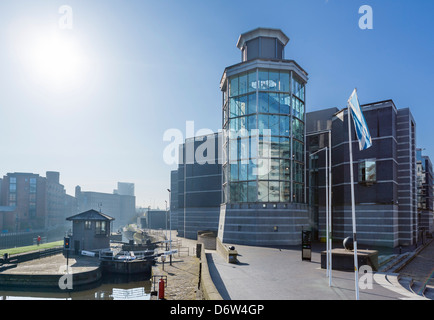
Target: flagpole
{"x":330,"y":206}
{"x":327,"y":211}
{"x":353,"y":209}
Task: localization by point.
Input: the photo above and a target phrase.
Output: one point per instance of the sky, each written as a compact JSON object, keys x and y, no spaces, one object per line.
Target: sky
{"x":94,"y":102}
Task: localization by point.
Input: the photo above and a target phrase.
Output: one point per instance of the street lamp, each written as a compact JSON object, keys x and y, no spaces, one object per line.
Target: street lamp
{"x":328,"y":202}
{"x":170,"y":224}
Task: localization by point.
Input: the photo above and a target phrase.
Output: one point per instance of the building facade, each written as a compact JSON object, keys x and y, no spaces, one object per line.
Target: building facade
{"x":34,"y":202}
{"x":197,"y":197}
{"x":385,"y":176}
{"x":425,"y":205}
{"x":263,"y":200}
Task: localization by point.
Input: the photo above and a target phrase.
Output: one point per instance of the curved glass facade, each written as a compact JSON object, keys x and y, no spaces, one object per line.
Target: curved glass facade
{"x":263,"y":158}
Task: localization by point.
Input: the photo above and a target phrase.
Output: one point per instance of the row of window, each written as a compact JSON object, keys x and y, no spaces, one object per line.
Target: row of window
{"x":267,"y":124}
{"x":100,"y":227}
{"x":266,"y":147}
{"x":264,"y":191}
{"x":265,"y":102}
{"x":265,"y":80}
{"x":264,"y":169}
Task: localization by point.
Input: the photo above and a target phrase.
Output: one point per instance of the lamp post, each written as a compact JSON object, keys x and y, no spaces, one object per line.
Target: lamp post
{"x":170,"y":224}
{"x":328,"y":208}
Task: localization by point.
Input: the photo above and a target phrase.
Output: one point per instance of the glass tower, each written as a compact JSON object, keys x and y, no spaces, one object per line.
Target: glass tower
{"x":263,"y":173}
{"x":263,"y":122}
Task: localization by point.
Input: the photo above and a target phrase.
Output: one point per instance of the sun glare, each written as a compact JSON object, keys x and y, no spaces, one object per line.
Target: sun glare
{"x":54,"y":60}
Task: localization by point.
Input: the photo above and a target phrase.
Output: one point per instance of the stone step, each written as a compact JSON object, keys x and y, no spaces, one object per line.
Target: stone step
{"x":418,"y":288}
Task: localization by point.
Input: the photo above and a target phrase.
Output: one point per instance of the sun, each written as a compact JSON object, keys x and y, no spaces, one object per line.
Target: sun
{"x":54,"y":60}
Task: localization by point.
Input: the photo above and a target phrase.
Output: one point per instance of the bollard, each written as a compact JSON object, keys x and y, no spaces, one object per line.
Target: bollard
{"x":161,"y":289}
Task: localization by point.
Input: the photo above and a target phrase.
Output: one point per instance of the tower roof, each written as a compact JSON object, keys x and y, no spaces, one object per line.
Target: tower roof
{"x":262,"y":32}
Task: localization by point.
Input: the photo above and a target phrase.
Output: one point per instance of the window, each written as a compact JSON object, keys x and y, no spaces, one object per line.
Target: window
{"x":100,"y":228}
{"x":367,"y":171}
{"x":88,"y":225}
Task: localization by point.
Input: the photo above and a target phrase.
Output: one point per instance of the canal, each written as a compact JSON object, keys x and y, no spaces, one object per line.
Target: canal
{"x":111,"y":287}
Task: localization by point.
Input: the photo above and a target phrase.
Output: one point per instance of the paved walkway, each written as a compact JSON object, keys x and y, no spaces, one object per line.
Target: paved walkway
{"x":421,"y":268}
{"x":183,"y":274}
{"x":280,"y":274}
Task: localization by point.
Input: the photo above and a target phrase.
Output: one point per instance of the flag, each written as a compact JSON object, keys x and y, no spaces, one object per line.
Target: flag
{"x":360,"y":125}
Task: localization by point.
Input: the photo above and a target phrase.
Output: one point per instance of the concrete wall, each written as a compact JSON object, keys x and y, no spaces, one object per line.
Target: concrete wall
{"x":274,"y":225}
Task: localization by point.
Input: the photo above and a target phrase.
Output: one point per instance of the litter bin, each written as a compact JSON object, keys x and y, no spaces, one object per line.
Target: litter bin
{"x":5,"y":257}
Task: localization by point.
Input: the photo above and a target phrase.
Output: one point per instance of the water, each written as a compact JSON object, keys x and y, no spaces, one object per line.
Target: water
{"x":113,"y":287}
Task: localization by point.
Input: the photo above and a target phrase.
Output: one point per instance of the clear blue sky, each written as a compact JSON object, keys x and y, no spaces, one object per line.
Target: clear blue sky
{"x":148,"y":66}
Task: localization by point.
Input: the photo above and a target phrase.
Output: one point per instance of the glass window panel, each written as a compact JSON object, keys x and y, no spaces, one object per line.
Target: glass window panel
{"x":275,"y":147}
{"x":234,"y":192}
{"x":242,"y":86}
{"x":367,"y":171}
{"x":242,"y":191}
{"x":297,"y":150}
{"x":263,"y":102}
{"x":284,"y":103}
{"x":284,"y":126}
{"x":264,"y":167}
{"x":273,"y":103}
{"x":252,"y":172}
{"x":263,"y":191}
{"x":242,"y":171}
{"x":298,"y":193}
{"x":273,"y":80}
{"x":251,"y":103}
{"x":243,"y":147}
{"x":284,"y":81}
{"x":298,"y":172}
{"x":242,"y":124}
{"x":234,"y":171}
{"x":13,"y":180}
{"x":252,"y":192}
{"x":285,"y":191}
{"x":254,"y":144}
{"x":233,"y":125}
{"x":298,"y":129}
{"x":273,"y":124}
{"x":274,"y":191}
{"x":12,"y":187}
{"x":233,"y":150}
{"x":242,"y":106}
{"x":284,"y":148}
{"x":263,"y":79}
{"x":251,"y":123}
{"x":252,"y":81}
{"x":233,"y":107}
{"x":233,"y":86}
{"x":262,"y":123}
{"x":265,"y":146}
{"x":274,"y":169}
{"x":285,"y":170}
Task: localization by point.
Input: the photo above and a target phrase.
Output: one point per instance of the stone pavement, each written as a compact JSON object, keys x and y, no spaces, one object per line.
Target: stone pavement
{"x":54,"y":265}
{"x":421,"y":268}
{"x":183,"y":274}
{"x":280,"y":274}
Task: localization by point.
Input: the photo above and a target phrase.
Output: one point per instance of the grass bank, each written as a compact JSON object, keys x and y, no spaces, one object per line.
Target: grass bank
{"x":17,"y":250}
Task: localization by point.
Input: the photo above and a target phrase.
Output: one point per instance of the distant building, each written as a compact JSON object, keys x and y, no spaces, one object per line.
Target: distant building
{"x":196,"y":198}
{"x":39,"y":202}
{"x":120,"y":207}
{"x":90,"y":230}
{"x":425,"y":196}
{"x":125,"y":189}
